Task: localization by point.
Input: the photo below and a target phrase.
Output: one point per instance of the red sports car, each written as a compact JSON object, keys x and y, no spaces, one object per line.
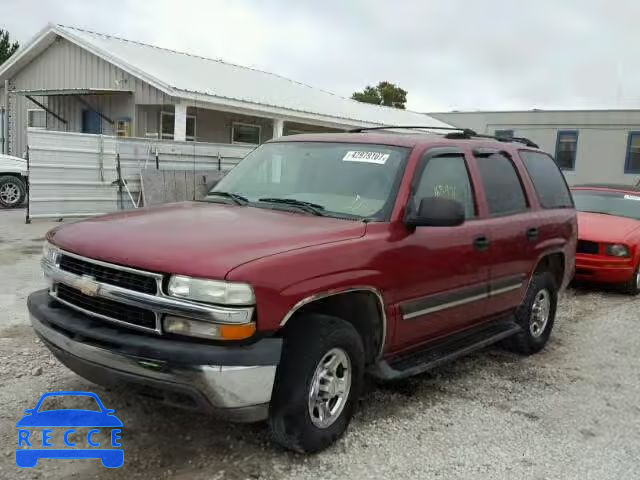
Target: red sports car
{"x":608,"y":235}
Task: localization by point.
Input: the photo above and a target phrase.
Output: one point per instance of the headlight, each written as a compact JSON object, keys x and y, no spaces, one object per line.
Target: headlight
{"x":211,"y":291}
{"x":617,"y":250}
{"x":50,"y":253}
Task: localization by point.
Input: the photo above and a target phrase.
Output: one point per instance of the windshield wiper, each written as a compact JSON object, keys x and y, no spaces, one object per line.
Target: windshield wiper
{"x":235,"y":197}
{"x":309,"y":207}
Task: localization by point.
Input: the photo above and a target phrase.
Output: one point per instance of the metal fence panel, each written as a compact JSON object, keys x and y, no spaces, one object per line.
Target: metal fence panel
{"x":76,"y":174}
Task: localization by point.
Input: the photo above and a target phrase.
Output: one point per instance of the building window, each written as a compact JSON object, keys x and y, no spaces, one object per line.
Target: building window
{"x":508,"y":134}
{"x":167,"y":125}
{"x":245,"y":133}
{"x":123,"y":127}
{"x":191,"y":128}
{"x":566,"y":149}
{"x":36,"y":118}
{"x":632,"y":164}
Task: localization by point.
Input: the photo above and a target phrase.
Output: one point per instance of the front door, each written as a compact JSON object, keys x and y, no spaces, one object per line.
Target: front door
{"x":444,"y":283}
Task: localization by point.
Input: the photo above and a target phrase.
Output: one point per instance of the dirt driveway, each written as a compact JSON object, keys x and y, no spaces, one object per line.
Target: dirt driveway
{"x":571,"y":412}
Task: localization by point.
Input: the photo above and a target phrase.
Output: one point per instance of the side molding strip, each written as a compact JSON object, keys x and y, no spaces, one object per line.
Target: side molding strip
{"x":444,"y":306}
{"x":443,"y":301}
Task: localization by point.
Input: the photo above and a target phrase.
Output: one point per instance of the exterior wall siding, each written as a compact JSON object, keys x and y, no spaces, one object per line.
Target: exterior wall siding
{"x":215,"y":126}
{"x":602,"y":137}
{"x":291,"y":128}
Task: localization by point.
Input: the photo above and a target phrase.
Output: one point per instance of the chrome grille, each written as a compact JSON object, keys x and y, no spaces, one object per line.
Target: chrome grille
{"x":121,"y":312}
{"x":113,"y":276}
{"x":126,"y":296}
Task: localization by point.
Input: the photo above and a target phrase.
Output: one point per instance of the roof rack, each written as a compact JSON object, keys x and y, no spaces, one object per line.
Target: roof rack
{"x":454,"y":132}
{"x":466,"y":131}
{"x":523,"y":140}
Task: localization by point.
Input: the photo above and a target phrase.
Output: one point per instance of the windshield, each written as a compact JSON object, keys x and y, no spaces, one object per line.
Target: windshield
{"x":611,"y":203}
{"x":338,"y":179}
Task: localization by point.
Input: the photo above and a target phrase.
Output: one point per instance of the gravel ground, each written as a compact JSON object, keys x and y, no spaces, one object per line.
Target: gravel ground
{"x":571,"y":412}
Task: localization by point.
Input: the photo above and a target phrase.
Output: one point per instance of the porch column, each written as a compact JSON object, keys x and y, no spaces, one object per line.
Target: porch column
{"x":278,"y":127}
{"x":180,"y":123}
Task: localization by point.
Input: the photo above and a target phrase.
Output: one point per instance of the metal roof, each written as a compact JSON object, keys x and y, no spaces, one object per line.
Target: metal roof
{"x":199,"y":78}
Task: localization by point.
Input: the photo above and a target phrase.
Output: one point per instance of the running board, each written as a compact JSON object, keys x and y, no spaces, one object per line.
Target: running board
{"x":443,"y":351}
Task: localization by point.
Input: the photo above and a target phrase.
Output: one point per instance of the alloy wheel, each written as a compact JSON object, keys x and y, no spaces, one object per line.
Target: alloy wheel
{"x":540,"y":311}
{"x":9,"y":193}
{"x":330,"y":388}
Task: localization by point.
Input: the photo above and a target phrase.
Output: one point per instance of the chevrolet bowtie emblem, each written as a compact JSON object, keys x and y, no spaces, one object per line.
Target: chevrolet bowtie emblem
{"x":88,"y":285}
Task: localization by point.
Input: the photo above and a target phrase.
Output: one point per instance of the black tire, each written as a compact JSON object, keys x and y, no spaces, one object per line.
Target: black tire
{"x":12,"y":191}
{"x":306,"y":344}
{"x":632,"y":287}
{"x":526,"y":342}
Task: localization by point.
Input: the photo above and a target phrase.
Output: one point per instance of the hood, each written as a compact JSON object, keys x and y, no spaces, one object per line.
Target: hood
{"x":602,"y":228}
{"x":197,"y":238}
{"x":10,"y":164}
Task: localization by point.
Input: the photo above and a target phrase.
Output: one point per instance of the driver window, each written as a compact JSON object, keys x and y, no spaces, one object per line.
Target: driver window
{"x":446,"y":176}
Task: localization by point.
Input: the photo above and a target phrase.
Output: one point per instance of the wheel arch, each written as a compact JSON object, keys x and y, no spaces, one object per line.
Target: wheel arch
{"x":362,"y":306}
{"x":553,"y":262}
{"x":19,"y":175}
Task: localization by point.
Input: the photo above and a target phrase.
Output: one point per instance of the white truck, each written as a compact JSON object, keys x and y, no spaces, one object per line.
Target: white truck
{"x":13,"y":181}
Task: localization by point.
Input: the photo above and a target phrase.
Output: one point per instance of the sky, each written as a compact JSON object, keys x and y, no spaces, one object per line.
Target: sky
{"x":448,"y":54}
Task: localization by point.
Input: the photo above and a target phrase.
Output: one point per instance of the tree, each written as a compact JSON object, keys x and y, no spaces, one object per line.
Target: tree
{"x":6,"y":47}
{"x":386,"y":93}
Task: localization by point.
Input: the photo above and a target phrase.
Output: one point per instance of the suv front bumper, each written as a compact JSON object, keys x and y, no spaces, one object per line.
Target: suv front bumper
{"x":232,"y":381}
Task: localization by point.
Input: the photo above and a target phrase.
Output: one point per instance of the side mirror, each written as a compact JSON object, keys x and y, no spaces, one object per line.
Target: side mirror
{"x":29,"y":411}
{"x":436,"y":212}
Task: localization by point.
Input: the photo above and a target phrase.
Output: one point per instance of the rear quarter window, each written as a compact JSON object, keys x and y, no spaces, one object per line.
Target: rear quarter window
{"x":547,"y":180}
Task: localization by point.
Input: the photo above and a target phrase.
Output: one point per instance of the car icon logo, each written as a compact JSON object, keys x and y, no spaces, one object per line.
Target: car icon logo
{"x":40,"y":428}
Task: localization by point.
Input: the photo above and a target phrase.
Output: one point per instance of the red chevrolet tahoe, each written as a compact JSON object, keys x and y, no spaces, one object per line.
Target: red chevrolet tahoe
{"x":318,"y":259}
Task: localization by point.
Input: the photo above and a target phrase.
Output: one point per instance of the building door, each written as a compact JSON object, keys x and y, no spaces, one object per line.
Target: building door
{"x":91,"y":122}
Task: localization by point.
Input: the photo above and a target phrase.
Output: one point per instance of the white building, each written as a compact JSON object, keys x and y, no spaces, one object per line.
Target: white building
{"x":591,"y":146}
{"x":73,"y":80}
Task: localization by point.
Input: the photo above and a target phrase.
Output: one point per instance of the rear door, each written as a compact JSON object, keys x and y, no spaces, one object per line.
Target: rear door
{"x":444,"y":281}
{"x":514,"y":229}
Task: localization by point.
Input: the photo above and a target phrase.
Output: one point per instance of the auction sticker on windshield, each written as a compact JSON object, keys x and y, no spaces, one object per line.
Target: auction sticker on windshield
{"x":57,"y":429}
{"x":367,"y":157}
